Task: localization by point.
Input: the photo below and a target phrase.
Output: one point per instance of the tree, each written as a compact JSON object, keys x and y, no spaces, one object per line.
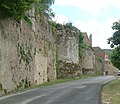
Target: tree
{"x":43,"y":7}
{"x":17,"y":8}
{"x":115,"y":41}
{"x":14,"y":8}
{"x":115,"y":57}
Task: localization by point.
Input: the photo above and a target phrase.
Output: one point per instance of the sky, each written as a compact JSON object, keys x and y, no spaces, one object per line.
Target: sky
{"x":92,"y":16}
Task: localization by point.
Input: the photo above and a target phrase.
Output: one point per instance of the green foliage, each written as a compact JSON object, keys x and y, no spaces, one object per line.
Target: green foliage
{"x":5,"y":91}
{"x":64,"y":26}
{"x":58,"y":26}
{"x":14,"y":8}
{"x":70,"y":26}
{"x":115,"y":57}
{"x":57,"y":64}
{"x":100,"y":59}
{"x":43,"y":7}
{"x":1,"y":88}
{"x":115,"y":39}
{"x":28,"y":20}
{"x":25,"y":56}
{"x":111,"y":91}
{"x":17,"y":8}
{"x":81,"y":45}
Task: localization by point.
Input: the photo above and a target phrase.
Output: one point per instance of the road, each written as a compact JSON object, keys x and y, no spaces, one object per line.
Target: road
{"x":85,"y":91}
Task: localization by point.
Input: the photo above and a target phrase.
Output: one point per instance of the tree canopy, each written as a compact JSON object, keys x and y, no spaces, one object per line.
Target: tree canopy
{"x":14,"y":8}
{"x":43,"y":7}
{"x":114,"y":41}
{"x":115,"y":57}
{"x":18,"y":8}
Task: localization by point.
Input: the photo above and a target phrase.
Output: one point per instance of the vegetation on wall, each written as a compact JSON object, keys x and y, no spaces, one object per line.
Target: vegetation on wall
{"x":71,"y":27}
{"x":68,"y":25}
{"x":57,"y":64}
{"x":14,"y":8}
{"x":1,"y":88}
{"x":28,"y":20}
{"x":43,"y":7}
{"x":17,"y":8}
{"x":25,"y":55}
{"x":99,"y":59}
{"x":81,"y":45}
{"x":114,"y":41}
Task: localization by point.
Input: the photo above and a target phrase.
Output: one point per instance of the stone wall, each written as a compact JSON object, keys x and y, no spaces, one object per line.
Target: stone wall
{"x":26,"y":57}
{"x":16,"y":55}
{"x":68,"y":41}
{"x":108,"y":67}
{"x":68,"y":53}
{"x":99,"y":66}
{"x":88,"y":61}
{"x":46,"y":45}
{"x":69,"y":70}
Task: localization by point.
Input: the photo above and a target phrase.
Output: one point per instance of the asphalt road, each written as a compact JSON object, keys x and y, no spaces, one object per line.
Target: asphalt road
{"x":85,"y":91}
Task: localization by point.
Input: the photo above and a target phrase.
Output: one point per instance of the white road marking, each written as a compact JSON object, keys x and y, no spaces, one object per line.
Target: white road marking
{"x":31,"y":99}
{"x":79,"y":87}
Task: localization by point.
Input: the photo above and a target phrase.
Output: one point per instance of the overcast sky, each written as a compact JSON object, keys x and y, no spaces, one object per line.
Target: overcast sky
{"x":92,"y":16}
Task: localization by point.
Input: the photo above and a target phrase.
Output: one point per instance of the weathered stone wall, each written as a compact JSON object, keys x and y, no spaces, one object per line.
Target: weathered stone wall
{"x":99,"y":66}
{"x":26,"y":57}
{"x":46,"y":45}
{"x":69,"y":70}
{"x":88,"y":61}
{"x":108,"y":67}
{"x":68,"y":41}
{"x":16,"y":55}
{"x":102,"y":67}
{"x":68,"y":53}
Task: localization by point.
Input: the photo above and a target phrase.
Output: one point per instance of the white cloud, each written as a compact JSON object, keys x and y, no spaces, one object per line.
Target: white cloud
{"x":115,"y":3}
{"x":91,"y":6}
{"x":101,"y":31}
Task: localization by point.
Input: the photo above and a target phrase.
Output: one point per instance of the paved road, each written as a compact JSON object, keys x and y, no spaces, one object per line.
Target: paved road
{"x":84,"y":91}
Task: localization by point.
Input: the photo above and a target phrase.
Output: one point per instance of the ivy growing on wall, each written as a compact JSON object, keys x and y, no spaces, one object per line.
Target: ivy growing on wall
{"x":25,"y":55}
{"x":1,"y":88}
{"x":81,"y":45}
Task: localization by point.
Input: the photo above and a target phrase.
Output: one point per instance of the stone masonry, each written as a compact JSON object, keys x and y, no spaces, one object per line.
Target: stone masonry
{"x":68,"y":52}
{"x":26,"y":57}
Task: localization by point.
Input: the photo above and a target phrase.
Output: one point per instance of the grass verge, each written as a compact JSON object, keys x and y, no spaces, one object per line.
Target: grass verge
{"x":63,"y":80}
{"x":111,"y":93}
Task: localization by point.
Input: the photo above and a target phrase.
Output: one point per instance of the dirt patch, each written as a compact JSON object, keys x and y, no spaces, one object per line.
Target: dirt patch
{"x":105,"y":98}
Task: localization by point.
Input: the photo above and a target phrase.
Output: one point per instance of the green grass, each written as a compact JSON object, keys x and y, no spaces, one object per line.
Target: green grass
{"x":59,"y":81}
{"x":63,"y":80}
{"x":112,"y":91}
